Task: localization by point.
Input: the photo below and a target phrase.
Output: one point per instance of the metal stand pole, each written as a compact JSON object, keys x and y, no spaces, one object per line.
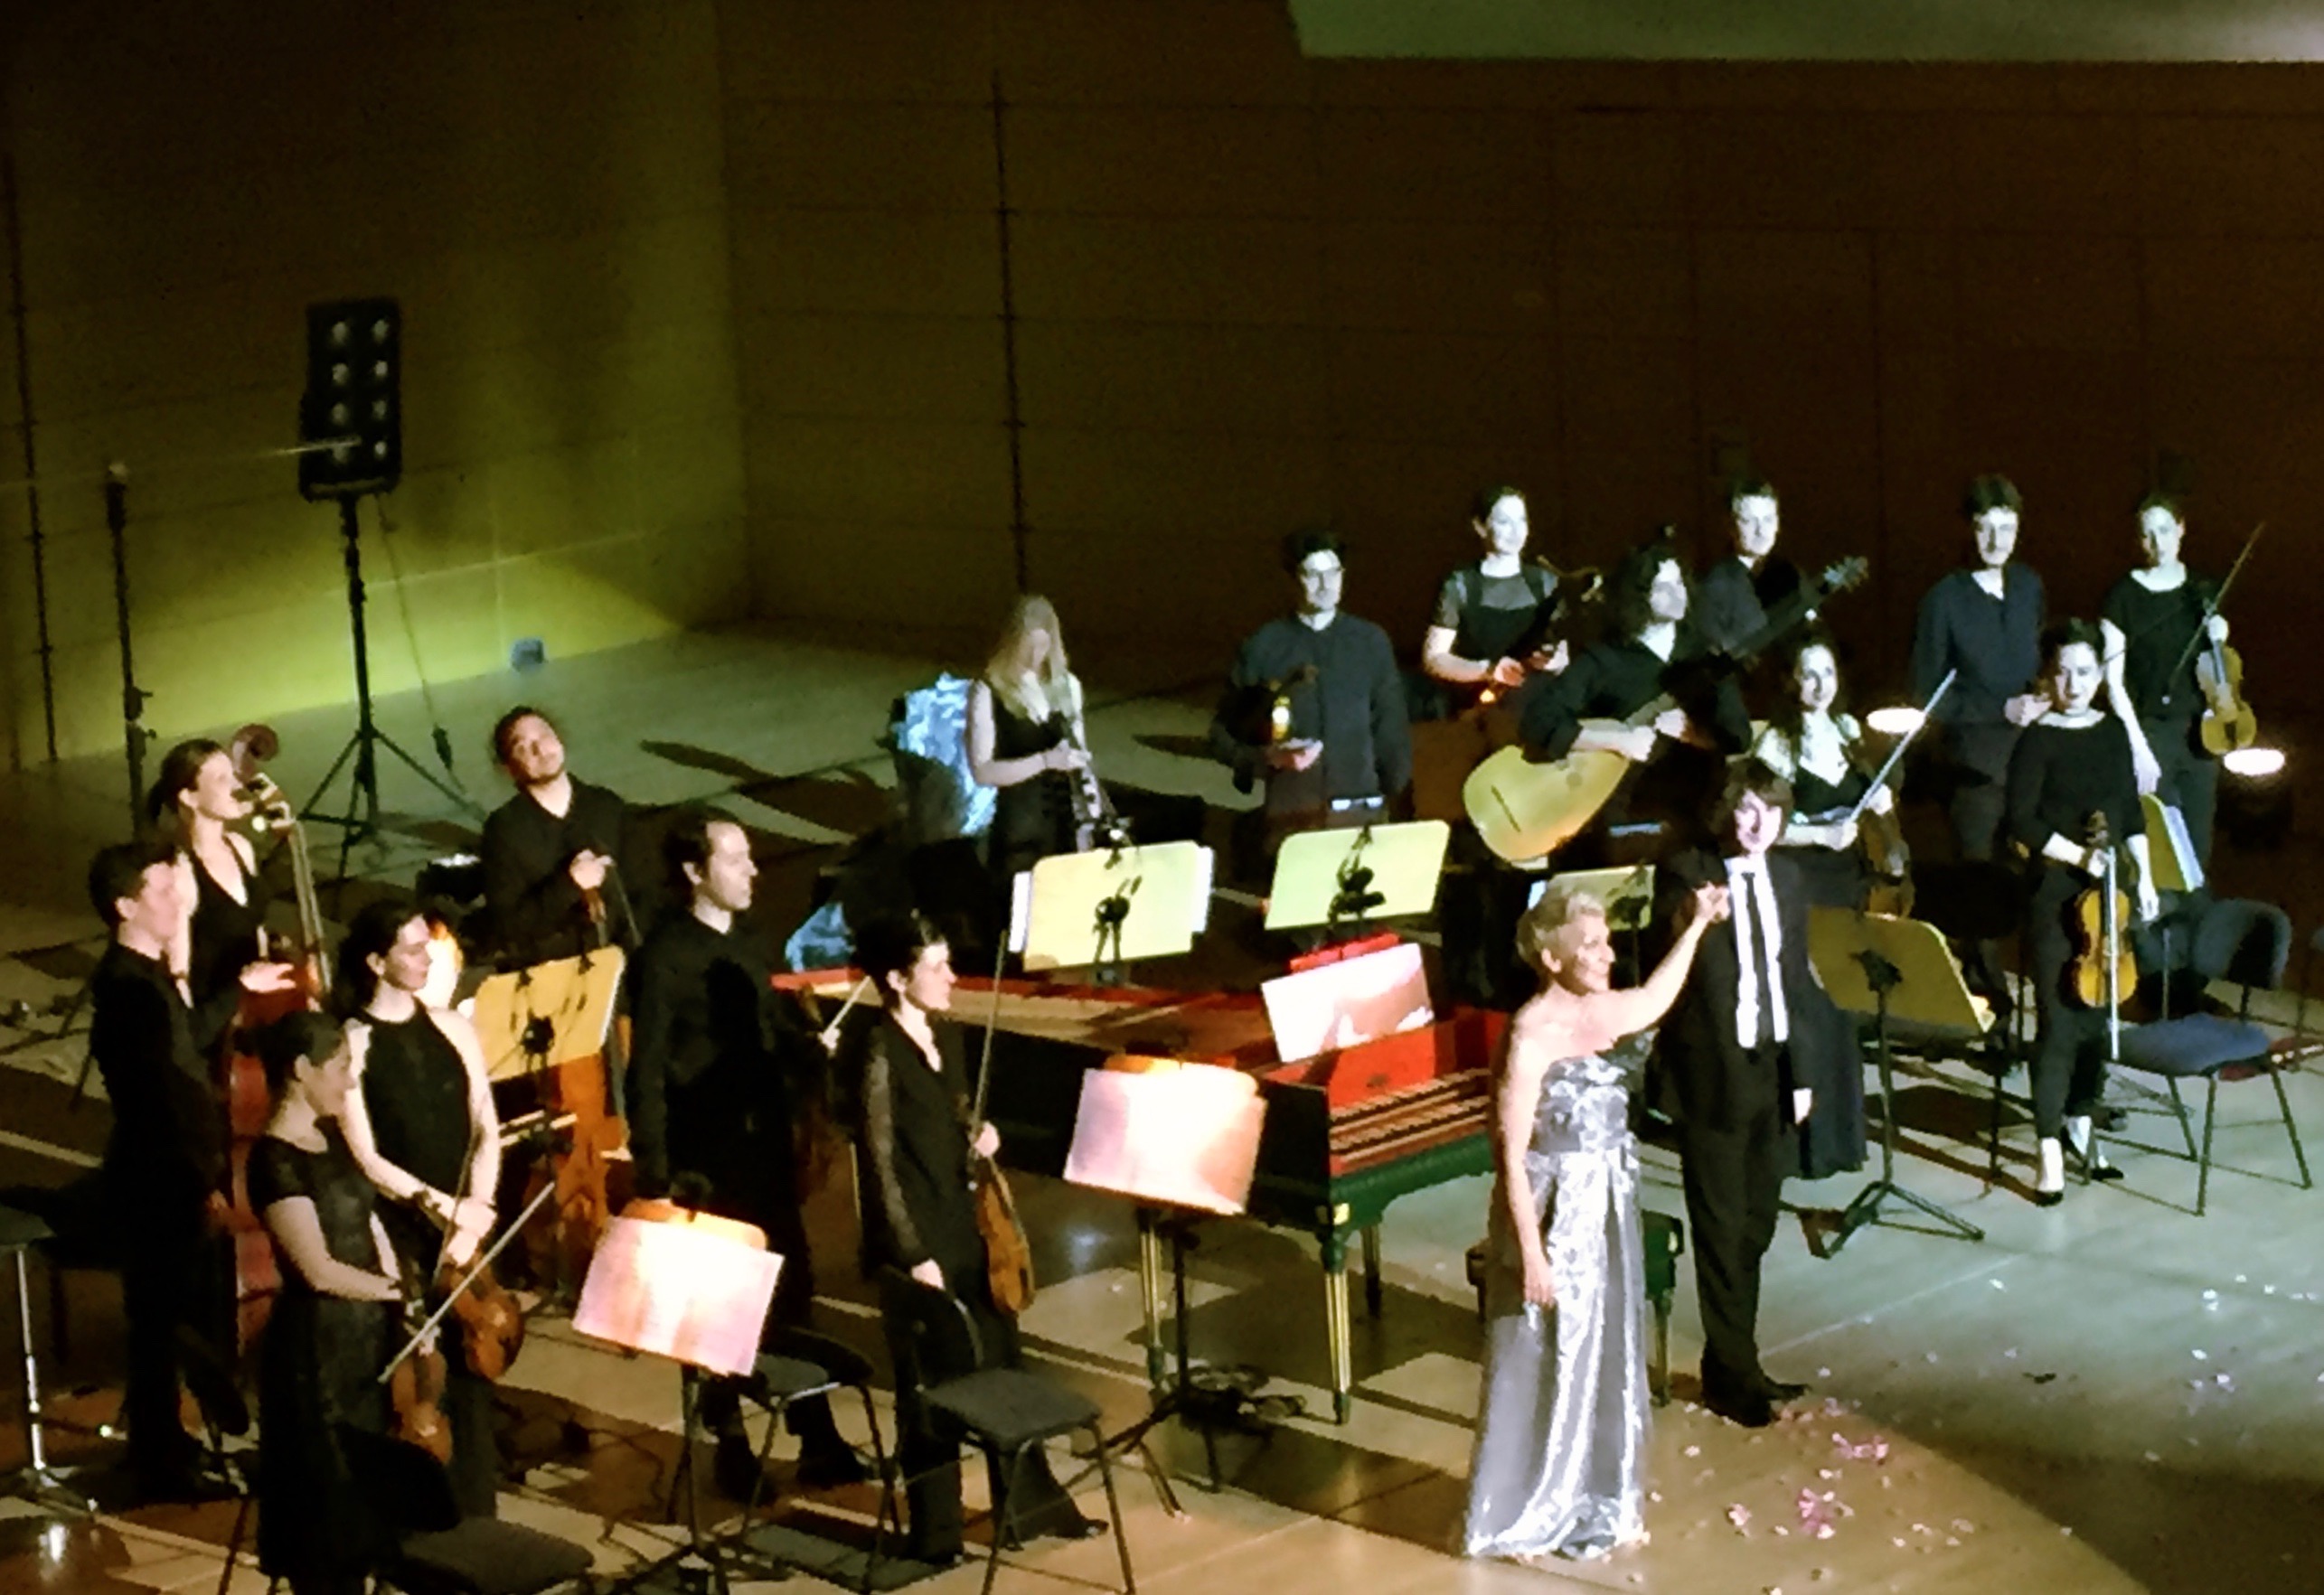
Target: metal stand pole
{"x":132,"y":697}
{"x":1883,"y":977}
{"x":361,"y":821}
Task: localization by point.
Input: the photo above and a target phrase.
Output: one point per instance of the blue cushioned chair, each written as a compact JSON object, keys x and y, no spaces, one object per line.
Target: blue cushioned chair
{"x":2247,"y":943}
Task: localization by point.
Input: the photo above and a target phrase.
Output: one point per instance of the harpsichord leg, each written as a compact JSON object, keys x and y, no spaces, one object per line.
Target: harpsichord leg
{"x":1372,"y":1270}
{"x":1336,"y":1330}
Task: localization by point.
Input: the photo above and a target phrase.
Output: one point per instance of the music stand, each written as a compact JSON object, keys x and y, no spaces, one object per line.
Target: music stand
{"x":1181,"y":1141}
{"x":1885,"y":967}
{"x":531,"y":1021}
{"x":1346,"y":878}
{"x":698,"y":1296}
{"x":1108,"y":906}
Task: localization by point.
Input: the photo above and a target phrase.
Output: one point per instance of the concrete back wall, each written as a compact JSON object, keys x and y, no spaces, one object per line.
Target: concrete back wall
{"x":542,"y":188}
{"x":1257,"y":291}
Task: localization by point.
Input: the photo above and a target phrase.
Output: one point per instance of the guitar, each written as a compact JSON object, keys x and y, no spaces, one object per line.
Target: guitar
{"x":1524,"y":809}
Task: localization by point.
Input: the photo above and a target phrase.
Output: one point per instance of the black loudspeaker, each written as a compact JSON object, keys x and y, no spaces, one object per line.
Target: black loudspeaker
{"x":353,"y":404}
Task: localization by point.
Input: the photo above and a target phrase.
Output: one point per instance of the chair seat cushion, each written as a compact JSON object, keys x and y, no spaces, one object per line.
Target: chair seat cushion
{"x":786,"y":1378}
{"x":2195,"y":1045}
{"x":485,"y":1557}
{"x":1007,"y":1407}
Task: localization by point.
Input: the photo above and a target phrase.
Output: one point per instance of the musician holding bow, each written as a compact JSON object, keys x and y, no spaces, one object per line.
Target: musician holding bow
{"x":914,"y":1152}
{"x":2154,"y":627}
{"x":335,"y":1325}
{"x":421,"y":1125}
{"x":2070,"y":765}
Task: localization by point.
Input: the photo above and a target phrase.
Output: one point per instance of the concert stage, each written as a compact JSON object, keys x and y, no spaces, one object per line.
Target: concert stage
{"x":2109,"y":1396}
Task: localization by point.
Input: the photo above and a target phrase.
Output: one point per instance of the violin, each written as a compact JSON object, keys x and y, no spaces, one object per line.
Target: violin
{"x":2102,"y":969}
{"x":491,"y":1320}
{"x":1008,"y":1254}
{"x":415,"y":1389}
{"x":2228,"y":723}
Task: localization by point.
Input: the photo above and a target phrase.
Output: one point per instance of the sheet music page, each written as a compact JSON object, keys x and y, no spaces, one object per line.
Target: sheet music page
{"x":678,"y":1292}
{"x":1186,"y":1136}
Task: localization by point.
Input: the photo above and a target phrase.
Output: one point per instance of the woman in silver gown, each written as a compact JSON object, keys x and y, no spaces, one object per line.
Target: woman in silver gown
{"x":1562,"y":1425}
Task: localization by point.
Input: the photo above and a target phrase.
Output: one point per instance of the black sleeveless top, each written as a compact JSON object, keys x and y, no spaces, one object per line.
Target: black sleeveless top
{"x":1033,"y":819}
{"x":416,"y":1090}
{"x":225,"y":933}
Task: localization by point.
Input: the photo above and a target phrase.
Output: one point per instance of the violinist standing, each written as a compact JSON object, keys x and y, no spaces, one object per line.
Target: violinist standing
{"x":913,"y":1155}
{"x":2151,"y":622}
{"x":421,"y":1126}
{"x":2072,"y":763}
{"x":335,"y":1325}
{"x":728,"y":1093}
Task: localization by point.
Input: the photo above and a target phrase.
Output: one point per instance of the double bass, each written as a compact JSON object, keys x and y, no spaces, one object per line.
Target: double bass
{"x":257,"y":1274}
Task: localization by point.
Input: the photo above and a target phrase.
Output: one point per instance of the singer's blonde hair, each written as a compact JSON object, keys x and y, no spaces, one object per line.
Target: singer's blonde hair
{"x":1543,"y":930}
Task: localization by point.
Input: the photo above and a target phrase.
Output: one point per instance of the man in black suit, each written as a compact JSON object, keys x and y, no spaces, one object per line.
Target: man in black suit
{"x":1727,"y":1072}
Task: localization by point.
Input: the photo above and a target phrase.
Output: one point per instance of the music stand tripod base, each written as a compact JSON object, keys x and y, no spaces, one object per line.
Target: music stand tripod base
{"x":1865,"y":959}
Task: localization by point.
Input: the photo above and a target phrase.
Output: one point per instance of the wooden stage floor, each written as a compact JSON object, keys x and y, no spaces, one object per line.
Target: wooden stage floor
{"x":2109,"y":1396}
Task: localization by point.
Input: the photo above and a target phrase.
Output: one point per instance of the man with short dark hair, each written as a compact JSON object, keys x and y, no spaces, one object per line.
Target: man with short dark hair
{"x":1726,"y":1072}
{"x":1314,"y":706}
{"x":551,"y":852}
{"x":727,"y":1102}
{"x":165,"y":1158}
{"x":1734,"y":597}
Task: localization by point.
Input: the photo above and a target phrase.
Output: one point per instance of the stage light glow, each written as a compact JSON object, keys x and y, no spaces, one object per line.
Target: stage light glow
{"x":1897,"y":720}
{"x":2256,"y":764}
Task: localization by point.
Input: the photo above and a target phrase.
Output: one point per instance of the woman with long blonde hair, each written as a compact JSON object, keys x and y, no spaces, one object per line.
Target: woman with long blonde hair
{"x":1025,"y":738}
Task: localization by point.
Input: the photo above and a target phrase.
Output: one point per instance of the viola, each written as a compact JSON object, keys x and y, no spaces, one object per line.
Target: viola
{"x":1008,"y":1254}
{"x":2228,"y":723}
{"x":491,"y":1320}
{"x":2104,"y":968}
{"x":416,"y":1390}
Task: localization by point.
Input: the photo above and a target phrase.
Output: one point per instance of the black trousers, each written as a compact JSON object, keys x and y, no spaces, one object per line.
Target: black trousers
{"x":173,"y":1283}
{"x":931,"y":1461}
{"x":1733,"y":1181}
{"x":2069,"y":1062}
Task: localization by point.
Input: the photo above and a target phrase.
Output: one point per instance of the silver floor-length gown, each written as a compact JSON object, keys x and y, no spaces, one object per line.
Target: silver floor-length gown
{"x":1561,"y":1432}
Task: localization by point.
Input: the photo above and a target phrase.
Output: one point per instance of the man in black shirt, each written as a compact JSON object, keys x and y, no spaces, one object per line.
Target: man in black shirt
{"x":727,"y":1100}
{"x":1314,"y":706}
{"x":1984,"y":624}
{"x":552,"y":881}
{"x":1734,"y":597}
{"x":1647,"y":655}
{"x":165,"y":1158}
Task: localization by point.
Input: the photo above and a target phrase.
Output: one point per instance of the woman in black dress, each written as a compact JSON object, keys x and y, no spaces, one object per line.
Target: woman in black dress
{"x":1025,"y":738}
{"x":421,"y":1126}
{"x":1819,"y":749}
{"x":2071,"y":764}
{"x":2150,"y":623}
{"x":1490,"y":631}
{"x":195,"y":805}
{"x":333,"y":1326}
{"x":913,"y":1144}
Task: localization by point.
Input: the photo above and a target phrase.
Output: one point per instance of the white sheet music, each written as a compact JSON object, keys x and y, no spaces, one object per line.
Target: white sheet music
{"x":678,"y":1292}
{"x":1185,"y":1135}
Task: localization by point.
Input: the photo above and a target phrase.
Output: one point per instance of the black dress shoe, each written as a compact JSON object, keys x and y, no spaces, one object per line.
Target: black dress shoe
{"x":1075,"y":1528}
{"x":1749,"y":1408}
{"x":2049,"y":1199}
{"x":1781,"y":1390}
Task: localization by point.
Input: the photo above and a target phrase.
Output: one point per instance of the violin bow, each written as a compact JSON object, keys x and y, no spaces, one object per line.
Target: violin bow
{"x":2203,"y":626}
{"x":1880,"y":779}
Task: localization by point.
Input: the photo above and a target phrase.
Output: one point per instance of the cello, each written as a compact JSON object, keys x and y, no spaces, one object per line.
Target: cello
{"x":243,"y":1079}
